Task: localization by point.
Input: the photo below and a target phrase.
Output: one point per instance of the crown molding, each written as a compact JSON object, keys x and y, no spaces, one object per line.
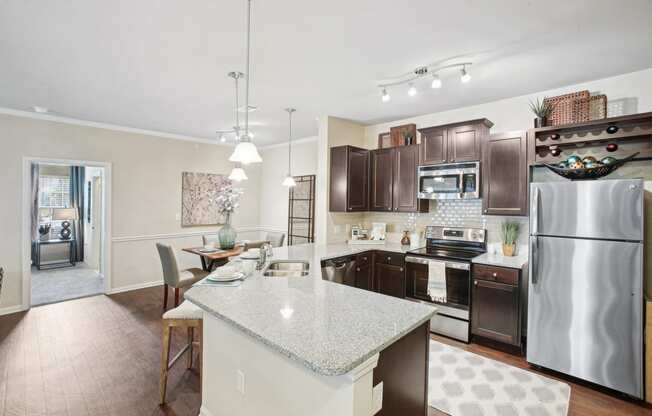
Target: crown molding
{"x":107,"y":126}
{"x":284,"y":144}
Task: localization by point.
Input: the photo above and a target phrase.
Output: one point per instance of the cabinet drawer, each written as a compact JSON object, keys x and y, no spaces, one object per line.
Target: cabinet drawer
{"x":497,"y":274}
{"x":386,"y":257}
{"x":363,"y":259}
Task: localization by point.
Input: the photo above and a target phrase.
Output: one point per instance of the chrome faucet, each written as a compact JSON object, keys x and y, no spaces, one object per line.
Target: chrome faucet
{"x":263,"y":252}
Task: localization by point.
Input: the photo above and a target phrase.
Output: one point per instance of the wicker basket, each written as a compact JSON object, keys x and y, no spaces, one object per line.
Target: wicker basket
{"x":589,"y":173}
{"x":569,"y":108}
{"x":597,"y":107}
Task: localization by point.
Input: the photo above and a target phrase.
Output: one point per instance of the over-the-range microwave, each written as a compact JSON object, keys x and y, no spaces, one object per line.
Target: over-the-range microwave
{"x":449,"y":181}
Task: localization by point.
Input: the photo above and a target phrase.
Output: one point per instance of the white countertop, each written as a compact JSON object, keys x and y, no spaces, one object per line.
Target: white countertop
{"x":515,"y":262}
{"x":329,"y":327}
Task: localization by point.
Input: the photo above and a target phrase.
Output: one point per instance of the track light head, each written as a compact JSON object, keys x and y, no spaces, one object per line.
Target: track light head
{"x":385,"y":95}
{"x":436,"y":81}
{"x":465,"y":76}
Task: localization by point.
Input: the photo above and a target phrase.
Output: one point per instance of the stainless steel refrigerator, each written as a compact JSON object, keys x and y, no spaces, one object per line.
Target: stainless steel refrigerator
{"x":585,"y":300}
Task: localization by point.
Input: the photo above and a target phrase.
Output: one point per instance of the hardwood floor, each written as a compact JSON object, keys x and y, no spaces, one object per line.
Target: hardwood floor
{"x":100,"y":356}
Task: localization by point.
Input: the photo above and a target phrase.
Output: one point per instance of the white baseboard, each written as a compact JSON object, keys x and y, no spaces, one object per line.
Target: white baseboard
{"x":8,"y":310}
{"x":137,"y":286}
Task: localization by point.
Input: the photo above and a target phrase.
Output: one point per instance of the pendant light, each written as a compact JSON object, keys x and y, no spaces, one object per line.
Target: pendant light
{"x":289,"y":180}
{"x":245,"y":151}
{"x":238,"y":174}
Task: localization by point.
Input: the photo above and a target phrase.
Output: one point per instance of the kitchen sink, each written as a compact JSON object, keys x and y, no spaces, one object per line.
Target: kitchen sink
{"x":287,"y":268}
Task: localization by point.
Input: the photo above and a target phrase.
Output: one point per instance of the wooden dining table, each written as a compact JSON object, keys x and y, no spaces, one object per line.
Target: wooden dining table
{"x":211,"y":260}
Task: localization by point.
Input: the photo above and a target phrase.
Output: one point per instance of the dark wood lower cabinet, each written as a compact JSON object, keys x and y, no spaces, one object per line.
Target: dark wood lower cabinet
{"x":389,"y":279}
{"x":495,"y":308}
{"x":363,"y":277}
{"x":403,"y":370}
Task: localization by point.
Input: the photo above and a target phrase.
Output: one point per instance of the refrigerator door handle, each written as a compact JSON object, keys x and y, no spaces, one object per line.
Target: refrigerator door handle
{"x":535,"y":211}
{"x":534,"y":252}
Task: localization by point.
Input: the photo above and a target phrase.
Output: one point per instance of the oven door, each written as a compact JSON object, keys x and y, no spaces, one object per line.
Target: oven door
{"x":458,"y":284}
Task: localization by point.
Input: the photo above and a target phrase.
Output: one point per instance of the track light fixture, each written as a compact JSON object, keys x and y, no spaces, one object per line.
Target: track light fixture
{"x":420,"y":72}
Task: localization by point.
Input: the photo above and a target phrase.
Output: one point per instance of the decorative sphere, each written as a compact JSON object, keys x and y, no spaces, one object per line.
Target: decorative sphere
{"x":612,"y":147}
{"x":589,"y":165}
{"x":573,"y":159}
{"x":589,"y":159}
{"x":563,"y":164}
{"x":608,"y":160}
{"x":576,"y":165}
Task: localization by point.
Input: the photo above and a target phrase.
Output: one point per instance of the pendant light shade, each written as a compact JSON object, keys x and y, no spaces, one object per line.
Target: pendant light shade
{"x":245,"y":152}
{"x":289,"y":180}
{"x":238,"y":174}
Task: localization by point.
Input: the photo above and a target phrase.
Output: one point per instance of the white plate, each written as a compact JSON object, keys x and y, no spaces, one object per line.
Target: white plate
{"x":233,"y":277}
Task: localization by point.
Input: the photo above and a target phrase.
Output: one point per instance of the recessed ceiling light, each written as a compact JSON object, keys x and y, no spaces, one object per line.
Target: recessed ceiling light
{"x":39,"y":109}
{"x":412,"y":91}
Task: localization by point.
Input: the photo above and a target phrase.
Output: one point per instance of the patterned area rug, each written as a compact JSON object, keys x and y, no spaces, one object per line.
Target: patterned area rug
{"x":466,"y":384}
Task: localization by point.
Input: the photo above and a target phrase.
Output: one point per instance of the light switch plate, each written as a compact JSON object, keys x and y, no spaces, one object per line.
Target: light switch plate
{"x":177,"y":216}
{"x":377,"y":398}
{"x":240,"y":382}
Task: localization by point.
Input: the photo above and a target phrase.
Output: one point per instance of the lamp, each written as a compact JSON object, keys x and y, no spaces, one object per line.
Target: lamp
{"x":65,"y":215}
{"x":289,"y":180}
{"x":238,"y":174}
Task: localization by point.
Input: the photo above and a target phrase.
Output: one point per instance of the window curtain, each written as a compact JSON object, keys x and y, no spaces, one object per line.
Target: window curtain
{"x":77,"y":202}
{"x":34,"y":213}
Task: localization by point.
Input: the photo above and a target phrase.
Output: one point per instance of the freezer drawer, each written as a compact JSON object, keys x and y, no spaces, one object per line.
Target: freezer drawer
{"x":606,"y":209}
{"x":585,"y":310}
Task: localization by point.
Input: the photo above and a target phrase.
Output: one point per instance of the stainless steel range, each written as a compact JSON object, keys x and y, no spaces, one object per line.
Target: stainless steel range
{"x":440,"y":274}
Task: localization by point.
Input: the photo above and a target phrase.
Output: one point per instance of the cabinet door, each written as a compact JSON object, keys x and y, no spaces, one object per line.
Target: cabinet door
{"x":405,"y":180}
{"x":504,"y":174}
{"x":389,"y":280}
{"x":434,"y":147}
{"x":464,"y":143}
{"x":495,"y":311}
{"x":382,"y":181}
{"x":363,"y":277}
{"x":358,"y":180}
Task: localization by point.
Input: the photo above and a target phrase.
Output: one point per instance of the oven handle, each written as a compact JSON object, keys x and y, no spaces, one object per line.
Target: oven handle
{"x":449,"y":264}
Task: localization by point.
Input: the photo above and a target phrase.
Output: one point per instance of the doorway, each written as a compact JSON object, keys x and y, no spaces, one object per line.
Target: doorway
{"x":65,"y":230}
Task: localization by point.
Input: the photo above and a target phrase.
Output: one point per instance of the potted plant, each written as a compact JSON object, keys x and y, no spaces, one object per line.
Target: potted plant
{"x":408,"y":140}
{"x":542,"y":109}
{"x":509,"y":234}
{"x":227,"y":200}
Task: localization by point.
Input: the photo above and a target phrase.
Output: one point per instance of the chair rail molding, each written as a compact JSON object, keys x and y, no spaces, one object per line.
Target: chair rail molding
{"x":187,"y":234}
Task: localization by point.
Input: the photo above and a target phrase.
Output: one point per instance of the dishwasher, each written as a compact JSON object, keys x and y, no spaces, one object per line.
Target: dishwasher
{"x":339,"y":270}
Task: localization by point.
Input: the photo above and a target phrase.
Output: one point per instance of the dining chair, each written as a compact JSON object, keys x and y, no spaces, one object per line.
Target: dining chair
{"x":254,"y":244}
{"x":276,"y":239}
{"x":190,"y":317}
{"x":172,"y":276}
{"x":211,"y":240}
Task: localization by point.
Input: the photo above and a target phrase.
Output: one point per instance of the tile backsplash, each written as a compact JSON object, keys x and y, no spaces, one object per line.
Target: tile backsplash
{"x":453,"y":213}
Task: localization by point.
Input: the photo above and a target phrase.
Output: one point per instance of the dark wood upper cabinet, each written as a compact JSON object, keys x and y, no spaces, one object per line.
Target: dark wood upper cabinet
{"x":504,"y":174}
{"x":349,"y":179}
{"x":434,"y":146}
{"x":405,"y":181}
{"x":457,"y":142}
{"x":381,"y":194}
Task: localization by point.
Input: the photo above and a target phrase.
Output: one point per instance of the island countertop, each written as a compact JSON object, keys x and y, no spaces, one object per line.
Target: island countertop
{"x":328,"y":327}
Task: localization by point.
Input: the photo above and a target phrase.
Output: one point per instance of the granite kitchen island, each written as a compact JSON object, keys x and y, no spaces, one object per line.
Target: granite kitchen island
{"x":303,"y":346}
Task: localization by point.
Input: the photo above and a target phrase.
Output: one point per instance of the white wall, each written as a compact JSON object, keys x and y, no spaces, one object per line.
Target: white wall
{"x":146,"y":177}
{"x":273,"y":195}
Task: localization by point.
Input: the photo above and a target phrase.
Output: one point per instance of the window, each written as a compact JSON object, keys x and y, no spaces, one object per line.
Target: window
{"x":54,"y":191}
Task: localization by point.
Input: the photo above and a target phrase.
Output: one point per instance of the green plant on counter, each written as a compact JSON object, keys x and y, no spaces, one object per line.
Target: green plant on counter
{"x":542,"y":108}
{"x":509,"y":232}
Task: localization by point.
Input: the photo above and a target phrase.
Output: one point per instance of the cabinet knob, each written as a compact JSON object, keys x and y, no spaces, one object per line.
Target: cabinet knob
{"x":401,"y":269}
{"x":357,"y":269}
{"x":364,"y":258}
{"x":389,"y":259}
{"x":495,"y":274}
{"x":475,"y":282}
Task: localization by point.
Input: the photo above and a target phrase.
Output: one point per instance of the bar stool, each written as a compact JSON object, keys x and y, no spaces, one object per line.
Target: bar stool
{"x":190,"y":317}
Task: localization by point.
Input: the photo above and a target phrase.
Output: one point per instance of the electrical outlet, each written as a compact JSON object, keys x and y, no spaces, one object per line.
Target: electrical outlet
{"x":377,"y":398}
{"x":177,"y":217}
{"x":240,"y":382}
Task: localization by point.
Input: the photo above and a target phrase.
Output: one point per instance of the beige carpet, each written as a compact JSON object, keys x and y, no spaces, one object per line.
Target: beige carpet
{"x":49,"y":286}
{"x":466,"y":384}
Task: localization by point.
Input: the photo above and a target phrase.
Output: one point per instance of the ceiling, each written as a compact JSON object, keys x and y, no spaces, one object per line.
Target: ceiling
{"x":161,"y":64}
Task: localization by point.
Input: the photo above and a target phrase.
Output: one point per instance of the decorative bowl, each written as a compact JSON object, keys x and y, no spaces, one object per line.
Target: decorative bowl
{"x":589,"y":173}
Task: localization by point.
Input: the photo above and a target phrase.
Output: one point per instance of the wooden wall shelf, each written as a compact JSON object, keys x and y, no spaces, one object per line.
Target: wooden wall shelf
{"x":633,"y":134}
